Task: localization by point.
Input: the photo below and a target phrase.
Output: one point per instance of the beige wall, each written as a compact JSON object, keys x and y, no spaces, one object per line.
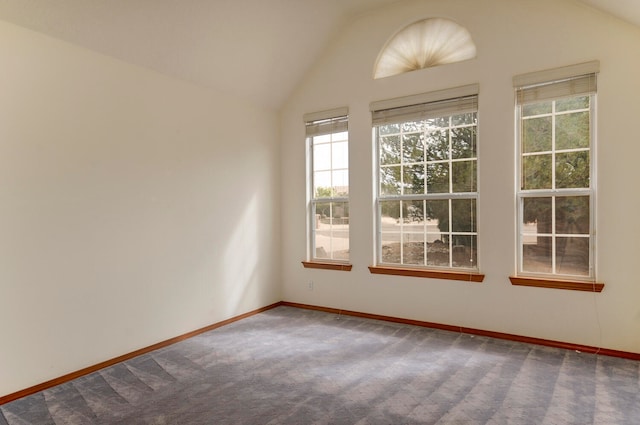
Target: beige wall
{"x":512,"y":37}
{"x":133,"y":208}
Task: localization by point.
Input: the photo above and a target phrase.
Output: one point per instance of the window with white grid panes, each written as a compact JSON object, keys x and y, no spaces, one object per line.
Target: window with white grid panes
{"x":328,"y":142}
{"x":555,"y":197}
{"x":427,"y":187}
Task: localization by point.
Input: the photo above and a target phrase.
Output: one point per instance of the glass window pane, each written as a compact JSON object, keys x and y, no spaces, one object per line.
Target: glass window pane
{"x":341,"y":183}
{"x":340,"y":155}
{"x":572,"y":169}
{"x":436,"y":122}
{"x":438,"y":213}
{"x":325,"y":138}
{"x":536,"y":109}
{"x":322,"y":184}
{"x":413,"y":249}
{"x":462,"y":119}
{"x":463,"y":142}
{"x":412,"y":126}
{"x":321,"y":157}
{"x":536,"y":215}
{"x":572,"y":215}
{"x":389,"y":129}
{"x":390,"y":150}
{"x":438,"y":178}
{"x":438,"y":252}
{"x":536,"y":172}
{"x":413,"y":216}
{"x":323,"y":230}
{"x":332,"y":230}
{"x":572,"y":256}
{"x":413,"y":176}
{"x":536,"y":255}
{"x":572,"y":103}
{"x":412,"y":148}
{"x":390,"y":231}
{"x":464,"y":176}
{"x":390,"y":214}
{"x":572,"y":130}
{"x":463,"y":215}
{"x":323,"y":213}
{"x":390,"y":248}
{"x":437,"y":145}
{"x":536,"y":135}
{"x":340,"y":231}
{"x":465,"y":251}
{"x":390,"y":182}
{"x":339,"y":137}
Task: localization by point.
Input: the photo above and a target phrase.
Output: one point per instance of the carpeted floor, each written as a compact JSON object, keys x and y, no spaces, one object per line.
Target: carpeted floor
{"x":294,"y":366}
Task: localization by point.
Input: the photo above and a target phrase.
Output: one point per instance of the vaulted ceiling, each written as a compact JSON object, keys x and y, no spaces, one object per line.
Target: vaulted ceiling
{"x":257,"y":49}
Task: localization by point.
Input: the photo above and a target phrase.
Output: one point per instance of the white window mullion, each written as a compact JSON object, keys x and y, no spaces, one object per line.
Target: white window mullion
{"x":553,"y":145}
{"x":331,"y":228}
{"x":450,"y":234}
{"x":554,"y":246}
{"x":401,"y":215}
{"x":424,"y":232}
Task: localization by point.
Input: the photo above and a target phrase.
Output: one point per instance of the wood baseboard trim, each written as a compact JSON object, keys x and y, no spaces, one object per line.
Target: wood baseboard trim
{"x":472,"y":331}
{"x":82,"y":372}
{"x":538,"y":341}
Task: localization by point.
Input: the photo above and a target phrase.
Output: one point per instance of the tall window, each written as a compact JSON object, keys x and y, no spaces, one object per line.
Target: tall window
{"x":427,"y":157}
{"x":328,"y":185}
{"x":555,"y":111}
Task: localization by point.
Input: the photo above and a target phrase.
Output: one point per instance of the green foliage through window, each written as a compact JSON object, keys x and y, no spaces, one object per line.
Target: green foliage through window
{"x":419,"y":161}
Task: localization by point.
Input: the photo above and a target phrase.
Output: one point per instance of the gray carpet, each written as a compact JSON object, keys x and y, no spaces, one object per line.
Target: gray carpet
{"x":294,"y":366}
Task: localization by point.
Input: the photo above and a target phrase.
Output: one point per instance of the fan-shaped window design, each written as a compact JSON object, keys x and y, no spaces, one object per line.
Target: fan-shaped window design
{"x":423,"y":44}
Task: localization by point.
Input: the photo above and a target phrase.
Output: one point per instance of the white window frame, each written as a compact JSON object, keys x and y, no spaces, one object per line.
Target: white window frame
{"x":448,"y":102}
{"x":319,"y":124}
{"x":550,"y":85}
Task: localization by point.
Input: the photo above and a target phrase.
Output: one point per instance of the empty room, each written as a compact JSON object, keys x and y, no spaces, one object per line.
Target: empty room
{"x":319,"y":211}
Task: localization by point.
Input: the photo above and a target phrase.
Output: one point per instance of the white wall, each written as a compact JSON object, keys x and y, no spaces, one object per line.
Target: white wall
{"x":133,"y":208}
{"x":512,"y":37}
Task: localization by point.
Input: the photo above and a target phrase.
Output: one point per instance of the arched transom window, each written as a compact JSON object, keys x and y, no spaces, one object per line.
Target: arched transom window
{"x":423,"y":44}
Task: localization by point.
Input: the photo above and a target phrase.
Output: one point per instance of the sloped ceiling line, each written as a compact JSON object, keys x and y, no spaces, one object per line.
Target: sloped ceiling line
{"x":257,"y":49}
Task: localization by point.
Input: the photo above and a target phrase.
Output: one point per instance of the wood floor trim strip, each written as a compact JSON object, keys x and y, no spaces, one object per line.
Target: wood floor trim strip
{"x":82,"y":372}
{"x":538,"y":341}
{"x":472,"y":331}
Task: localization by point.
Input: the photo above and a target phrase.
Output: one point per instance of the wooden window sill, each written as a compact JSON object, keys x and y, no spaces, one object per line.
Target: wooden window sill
{"x":345,"y":267}
{"x":572,"y":285}
{"x":433,"y":274}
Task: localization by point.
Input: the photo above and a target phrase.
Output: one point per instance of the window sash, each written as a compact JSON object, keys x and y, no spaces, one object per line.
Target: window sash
{"x":320,"y":124}
{"x":545,"y":95}
{"x":554,"y":235}
{"x":394,"y":111}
